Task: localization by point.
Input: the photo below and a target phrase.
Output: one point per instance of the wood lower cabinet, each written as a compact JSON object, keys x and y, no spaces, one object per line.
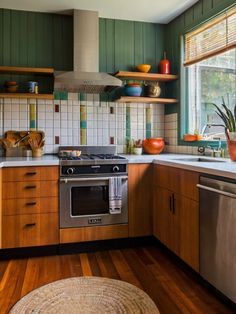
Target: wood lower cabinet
{"x":29,"y":230}
{"x":176,"y":212}
{"x":140,"y":199}
{"x":29,"y":206}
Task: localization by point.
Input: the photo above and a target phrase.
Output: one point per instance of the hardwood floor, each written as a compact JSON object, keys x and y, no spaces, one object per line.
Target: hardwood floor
{"x":173,"y":289}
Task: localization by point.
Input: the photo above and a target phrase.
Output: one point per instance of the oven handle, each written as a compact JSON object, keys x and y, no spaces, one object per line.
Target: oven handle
{"x":67,"y":180}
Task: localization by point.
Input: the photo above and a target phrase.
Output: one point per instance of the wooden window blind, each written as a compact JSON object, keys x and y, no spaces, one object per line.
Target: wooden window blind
{"x":211,"y":38}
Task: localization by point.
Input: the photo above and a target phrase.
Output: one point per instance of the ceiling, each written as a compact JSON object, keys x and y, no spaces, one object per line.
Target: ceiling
{"x":156,"y":11}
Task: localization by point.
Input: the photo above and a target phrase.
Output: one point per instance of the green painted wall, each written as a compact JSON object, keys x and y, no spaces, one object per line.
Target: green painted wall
{"x":46,"y":40}
{"x":200,"y":12}
{"x":124,"y":44}
{"x":36,"y":39}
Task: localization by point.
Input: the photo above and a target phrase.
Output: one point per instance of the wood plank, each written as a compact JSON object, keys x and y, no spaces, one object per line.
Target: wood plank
{"x":128,"y":99}
{"x":174,"y":289}
{"x":85,"y":265}
{"x":12,"y":69}
{"x":146,"y":76}
{"x":94,"y":233}
{"x":27,"y":96}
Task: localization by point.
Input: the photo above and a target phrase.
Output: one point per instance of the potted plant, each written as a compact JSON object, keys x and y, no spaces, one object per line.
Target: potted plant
{"x":229,"y":119}
{"x":137,"y":149}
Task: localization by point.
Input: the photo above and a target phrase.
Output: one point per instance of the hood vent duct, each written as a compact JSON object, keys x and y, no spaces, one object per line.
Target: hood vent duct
{"x":85,"y":77}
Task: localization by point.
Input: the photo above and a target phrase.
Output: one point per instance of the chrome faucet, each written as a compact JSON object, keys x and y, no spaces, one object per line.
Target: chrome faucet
{"x":208,"y":125}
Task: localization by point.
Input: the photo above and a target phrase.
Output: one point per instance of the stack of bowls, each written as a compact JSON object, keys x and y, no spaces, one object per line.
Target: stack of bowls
{"x":11,"y":86}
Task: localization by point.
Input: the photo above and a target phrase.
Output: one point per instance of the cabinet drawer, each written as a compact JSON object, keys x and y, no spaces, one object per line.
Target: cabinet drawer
{"x":177,"y":180}
{"x":14,"y":174}
{"x":29,"y":230}
{"x":36,"y":205}
{"x":29,"y":189}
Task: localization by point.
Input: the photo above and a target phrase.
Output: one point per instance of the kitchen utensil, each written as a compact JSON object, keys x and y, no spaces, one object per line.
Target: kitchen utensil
{"x":36,"y":152}
{"x":153,"y":145}
{"x":143,"y":68}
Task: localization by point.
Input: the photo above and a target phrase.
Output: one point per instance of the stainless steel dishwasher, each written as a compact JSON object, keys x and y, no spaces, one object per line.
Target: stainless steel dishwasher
{"x":218,"y":234}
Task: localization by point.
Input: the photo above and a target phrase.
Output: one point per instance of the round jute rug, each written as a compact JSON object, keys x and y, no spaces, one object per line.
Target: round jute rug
{"x":86,"y":295}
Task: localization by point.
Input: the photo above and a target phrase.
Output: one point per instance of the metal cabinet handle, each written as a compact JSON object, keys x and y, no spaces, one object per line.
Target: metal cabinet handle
{"x":31,"y":203}
{"x":207,"y":188}
{"x":173,"y":203}
{"x":30,"y":187}
{"x":30,"y":225}
{"x":32,"y":173}
{"x":170,"y":203}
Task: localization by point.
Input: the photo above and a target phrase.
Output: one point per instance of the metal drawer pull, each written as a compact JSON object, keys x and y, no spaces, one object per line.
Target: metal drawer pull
{"x":30,"y":186}
{"x":203,"y":187}
{"x":31,"y":204}
{"x":67,"y":180}
{"x":33,"y":173}
{"x":30,"y":225}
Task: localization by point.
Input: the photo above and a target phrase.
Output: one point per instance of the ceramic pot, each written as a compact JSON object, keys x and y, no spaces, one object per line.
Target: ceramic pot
{"x":133,"y":90}
{"x":153,"y":145}
{"x":232,"y":136}
{"x":232,"y":150}
{"x":153,"y":89}
{"x":137,"y":150}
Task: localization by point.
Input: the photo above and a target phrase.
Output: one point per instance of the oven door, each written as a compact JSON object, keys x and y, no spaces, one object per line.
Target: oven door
{"x":85,"y":202}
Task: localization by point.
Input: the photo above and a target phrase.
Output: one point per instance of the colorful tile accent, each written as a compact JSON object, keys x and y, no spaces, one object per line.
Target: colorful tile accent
{"x":148,"y":122}
{"x":32,"y":115}
{"x":83,"y":125}
{"x":127,"y":123}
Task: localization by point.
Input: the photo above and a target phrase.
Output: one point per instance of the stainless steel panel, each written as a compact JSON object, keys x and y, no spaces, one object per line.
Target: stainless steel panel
{"x":218,"y":235}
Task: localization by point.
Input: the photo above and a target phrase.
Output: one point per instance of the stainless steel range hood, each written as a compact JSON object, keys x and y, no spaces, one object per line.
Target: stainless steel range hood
{"x":85,"y":77}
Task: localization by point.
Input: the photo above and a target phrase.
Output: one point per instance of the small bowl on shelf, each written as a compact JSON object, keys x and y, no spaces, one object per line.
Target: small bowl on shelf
{"x":133,"y":89}
{"x":145,"y":68}
{"x":11,"y":89}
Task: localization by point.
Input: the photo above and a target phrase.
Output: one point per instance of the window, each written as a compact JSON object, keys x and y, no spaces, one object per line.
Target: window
{"x":210,"y":60}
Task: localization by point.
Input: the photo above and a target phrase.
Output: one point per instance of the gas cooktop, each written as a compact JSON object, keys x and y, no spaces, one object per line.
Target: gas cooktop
{"x":89,"y":155}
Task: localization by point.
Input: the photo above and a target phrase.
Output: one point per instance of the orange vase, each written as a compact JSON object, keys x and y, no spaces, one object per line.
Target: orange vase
{"x":232,"y":149}
{"x":153,"y":145}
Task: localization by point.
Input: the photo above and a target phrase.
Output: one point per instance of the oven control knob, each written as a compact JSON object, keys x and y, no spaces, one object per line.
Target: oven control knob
{"x":70,"y":170}
{"x":115,"y":169}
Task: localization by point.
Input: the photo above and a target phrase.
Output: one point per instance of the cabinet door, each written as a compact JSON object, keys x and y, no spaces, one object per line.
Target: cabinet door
{"x":165,"y":220}
{"x":29,"y":230}
{"x":140,"y":199}
{"x":188,"y":221}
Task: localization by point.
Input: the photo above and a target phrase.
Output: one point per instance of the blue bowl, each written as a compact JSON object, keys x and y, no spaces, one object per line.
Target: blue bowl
{"x":134,"y":91}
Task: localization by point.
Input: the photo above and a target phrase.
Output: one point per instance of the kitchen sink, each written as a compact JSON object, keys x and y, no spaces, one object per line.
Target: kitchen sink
{"x":199,"y":159}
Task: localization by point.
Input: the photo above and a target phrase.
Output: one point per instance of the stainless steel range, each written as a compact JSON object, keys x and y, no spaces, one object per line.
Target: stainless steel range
{"x":93,"y":186}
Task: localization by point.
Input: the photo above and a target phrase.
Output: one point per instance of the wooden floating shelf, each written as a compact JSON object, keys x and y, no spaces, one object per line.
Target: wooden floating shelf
{"x":26,"y":95}
{"x":128,"y":99}
{"x":24,"y":70}
{"x":146,"y":76}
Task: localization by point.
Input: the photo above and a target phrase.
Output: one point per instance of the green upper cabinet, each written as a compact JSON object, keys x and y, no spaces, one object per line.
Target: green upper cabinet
{"x":125,"y":44}
{"x":36,"y":39}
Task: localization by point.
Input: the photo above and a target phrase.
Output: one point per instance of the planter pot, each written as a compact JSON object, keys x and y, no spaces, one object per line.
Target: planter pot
{"x":137,"y":150}
{"x":232,"y":136}
{"x":232,"y":149}
{"x":153,"y":145}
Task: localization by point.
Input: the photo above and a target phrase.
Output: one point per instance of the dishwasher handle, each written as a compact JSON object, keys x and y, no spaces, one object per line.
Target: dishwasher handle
{"x":207,"y":188}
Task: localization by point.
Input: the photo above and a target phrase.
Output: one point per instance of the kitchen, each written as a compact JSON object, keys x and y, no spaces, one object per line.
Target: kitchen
{"x":127,"y":249}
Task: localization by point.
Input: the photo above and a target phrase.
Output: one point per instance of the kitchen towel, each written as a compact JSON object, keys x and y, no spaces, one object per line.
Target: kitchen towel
{"x":115,"y":195}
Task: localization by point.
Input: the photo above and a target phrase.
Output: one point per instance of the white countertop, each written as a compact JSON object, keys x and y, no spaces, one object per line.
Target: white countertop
{"x":220,"y":167}
{"x":46,"y":160}
{"x":226,"y":168}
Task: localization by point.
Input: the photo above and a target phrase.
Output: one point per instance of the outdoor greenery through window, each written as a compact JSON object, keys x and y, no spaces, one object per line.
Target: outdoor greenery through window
{"x":208,"y":81}
{"x":210,"y":61}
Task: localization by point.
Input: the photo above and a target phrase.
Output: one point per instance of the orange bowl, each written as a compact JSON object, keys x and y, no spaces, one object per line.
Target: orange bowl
{"x":143,"y":68}
{"x":153,"y":145}
{"x":190,"y":137}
